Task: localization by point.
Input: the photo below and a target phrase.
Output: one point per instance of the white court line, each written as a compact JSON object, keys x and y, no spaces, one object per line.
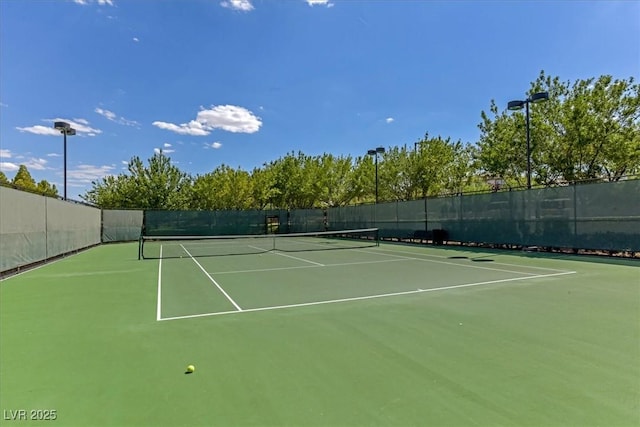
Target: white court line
{"x":493,"y":262}
{"x":307,"y":304}
{"x":288,"y":256}
{"x":257,"y":270}
{"x":454,"y":263}
{"x":159,"y":312}
{"x":299,"y":259}
{"x":212,"y":280}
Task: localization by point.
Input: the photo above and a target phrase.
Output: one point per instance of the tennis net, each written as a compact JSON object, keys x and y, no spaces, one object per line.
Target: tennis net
{"x":155,"y":247}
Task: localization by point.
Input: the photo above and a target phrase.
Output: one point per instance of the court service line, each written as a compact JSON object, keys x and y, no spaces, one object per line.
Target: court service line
{"x":335,"y":301}
{"x":288,"y":256}
{"x":212,"y":280}
{"x":452,"y":263}
{"x":494,"y":262}
{"x":259,"y":270}
{"x":159,"y":309}
{"x":299,"y":259}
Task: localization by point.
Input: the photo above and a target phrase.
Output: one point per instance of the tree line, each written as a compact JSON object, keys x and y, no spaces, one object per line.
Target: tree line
{"x":24,"y":181}
{"x":586,"y":130}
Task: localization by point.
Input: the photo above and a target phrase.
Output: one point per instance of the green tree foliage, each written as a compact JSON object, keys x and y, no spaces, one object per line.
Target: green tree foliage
{"x":160,"y":185}
{"x":434,"y":166}
{"x":224,"y":188}
{"x":23,"y":179}
{"x":586,"y":130}
{"x":46,"y":189}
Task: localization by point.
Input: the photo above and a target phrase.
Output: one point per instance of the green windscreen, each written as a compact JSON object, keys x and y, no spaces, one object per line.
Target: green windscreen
{"x":213,"y":223}
{"x":34,"y":228}
{"x":590,"y":216}
{"x":23,"y":228}
{"x":306,"y":220}
{"x":121,"y":225}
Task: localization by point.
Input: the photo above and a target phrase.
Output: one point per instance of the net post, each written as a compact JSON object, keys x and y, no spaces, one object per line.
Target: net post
{"x":377,"y":236}
{"x":140,"y":247}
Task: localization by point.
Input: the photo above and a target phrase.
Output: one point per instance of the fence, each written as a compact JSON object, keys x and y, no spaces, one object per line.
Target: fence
{"x":35,"y":228}
{"x":598,"y":216}
{"x":590,"y":216}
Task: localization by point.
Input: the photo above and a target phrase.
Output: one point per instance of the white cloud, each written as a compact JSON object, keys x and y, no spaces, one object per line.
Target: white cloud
{"x":5,"y":153}
{"x":85,"y":174}
{"x":214,"y":145}
{"x":135,"y":39}
{"x":2,"y":104}
{"x":31,"y":164}
{"x":80,"y":125}
{"x":163,"y":150}
{"x":166,"y":145}
{"x":40,"y":130}
{"x":110,"y":115}
{"x":53,"y":155}
{"x":230,"y":118}
{"x":242,"y":5}
{"x":8,"y":167}
{"x":36,"y":164}
{"x":226,"y":117}
{"x":124,"y":162}
{"x":100,"y":2}
{"x":389,"y":120}
{"x":192,"y":128}
{"x":319,"y":2}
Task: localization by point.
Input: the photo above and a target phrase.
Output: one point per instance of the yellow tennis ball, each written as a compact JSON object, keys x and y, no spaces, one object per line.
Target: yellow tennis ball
{"x":191,"y":368}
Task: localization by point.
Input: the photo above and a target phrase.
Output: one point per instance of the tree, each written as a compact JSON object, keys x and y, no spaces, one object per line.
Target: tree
{"x":161,"y":185}
{"x":335,"y":181}
{"x":47,"y":189}
{"x":586,"y":130}
{"x":3,"y":178}
{"x":224,"y":188}
{"x":23,"y":179}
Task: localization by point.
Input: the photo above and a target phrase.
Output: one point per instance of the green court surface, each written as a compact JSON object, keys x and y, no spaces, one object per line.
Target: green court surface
{"x":394,"y":335}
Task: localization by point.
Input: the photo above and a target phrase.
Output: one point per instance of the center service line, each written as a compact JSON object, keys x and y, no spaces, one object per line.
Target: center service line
{"x":211,"y":278}
{"x":289,"y":256}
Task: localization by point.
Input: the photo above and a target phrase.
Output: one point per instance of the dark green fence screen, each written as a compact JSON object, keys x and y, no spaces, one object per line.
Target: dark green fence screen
{"x":588,"y":216}
{"x":213,"y":223}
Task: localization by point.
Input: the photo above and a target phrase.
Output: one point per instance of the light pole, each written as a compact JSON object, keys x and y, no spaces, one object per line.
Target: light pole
{"x":375,"y":153}
{"x":65,"y":129}
{"x":517,"y":105}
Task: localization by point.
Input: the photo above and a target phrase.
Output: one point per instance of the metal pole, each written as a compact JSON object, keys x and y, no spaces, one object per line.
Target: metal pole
{"x":528,"y":148}
{"x":376,"y":178}
{"x":64,"y":132}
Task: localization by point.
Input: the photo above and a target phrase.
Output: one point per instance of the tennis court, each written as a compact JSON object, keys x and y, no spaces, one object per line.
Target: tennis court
{"x":324,"y":331}
{"x":244,"y":274}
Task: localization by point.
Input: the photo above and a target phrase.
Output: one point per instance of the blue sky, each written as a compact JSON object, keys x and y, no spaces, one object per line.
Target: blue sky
{"x":243,"y":82}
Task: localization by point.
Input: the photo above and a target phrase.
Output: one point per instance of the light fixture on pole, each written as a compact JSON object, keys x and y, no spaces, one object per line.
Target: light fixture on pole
{"x":65,"y":129}
{"x":375,"y":153}
{"x":518,"y":105}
